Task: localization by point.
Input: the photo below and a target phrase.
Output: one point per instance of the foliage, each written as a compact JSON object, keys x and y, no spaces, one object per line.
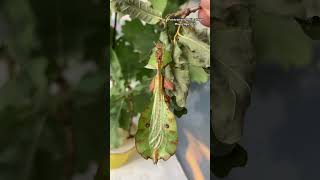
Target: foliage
{"x":188,"y":47}
{"x":138,"y":9}
{"x":126,"y":100}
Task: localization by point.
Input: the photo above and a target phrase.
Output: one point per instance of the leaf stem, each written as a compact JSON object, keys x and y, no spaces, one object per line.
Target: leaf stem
{"x":184,"y":13}
{"x":177,"y":33}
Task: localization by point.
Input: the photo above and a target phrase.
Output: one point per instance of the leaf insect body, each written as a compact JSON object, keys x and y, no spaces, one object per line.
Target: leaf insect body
{"x":156,"y":137}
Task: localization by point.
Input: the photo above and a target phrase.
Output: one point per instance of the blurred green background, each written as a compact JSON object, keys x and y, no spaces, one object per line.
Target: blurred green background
{"x":52,"y":94}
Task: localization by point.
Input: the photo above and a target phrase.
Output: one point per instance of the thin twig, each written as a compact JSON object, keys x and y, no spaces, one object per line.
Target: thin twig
{"x":114,"y":31}
{"x":182,"y":14}
{"x":185,"y":12}
{"x":130,"y":104}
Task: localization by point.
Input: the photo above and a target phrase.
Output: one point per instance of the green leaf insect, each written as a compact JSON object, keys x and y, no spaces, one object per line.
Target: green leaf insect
{"x":157,"y":136}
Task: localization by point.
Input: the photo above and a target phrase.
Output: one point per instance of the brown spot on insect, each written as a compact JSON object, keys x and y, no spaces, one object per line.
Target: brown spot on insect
{"x":147,"y":125}
{"x":167,"y":126}
{"x":167,"y":100}
{"x":174,"y":142}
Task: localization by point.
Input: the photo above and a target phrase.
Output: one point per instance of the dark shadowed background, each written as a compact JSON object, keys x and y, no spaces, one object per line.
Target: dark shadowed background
{"x":281,"y":133}
{"x":52,"y":89}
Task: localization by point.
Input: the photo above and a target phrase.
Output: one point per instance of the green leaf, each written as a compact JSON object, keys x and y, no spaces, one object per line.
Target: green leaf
{"x":138,"y":9}
{"x":203,"y":35}
{"x":181,"y":76}
{"x":200,"y":50}
{"x":128,"y":59}
{"x":125,"y":119}
{"x":118,"y":89}
{"x":193,"y":58}
{"x":182,"y":83}
{"x":115,"y":114}
{"x":159,"y":5}
{"x":111,"y":31}
{"x":172,"y":6}
{"x":140,"y":102}
{"x":141,"y":37}
{"x":115,"y":67}
{"x":198,"y":75}
{"x":164,"y":38}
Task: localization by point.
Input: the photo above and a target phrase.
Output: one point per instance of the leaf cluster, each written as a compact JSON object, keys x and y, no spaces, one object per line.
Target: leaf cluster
{"x":128,"y":95}
{"x":189,"y":47}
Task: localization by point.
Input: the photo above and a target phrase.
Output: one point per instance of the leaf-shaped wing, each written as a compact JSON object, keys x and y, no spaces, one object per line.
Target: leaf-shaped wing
{"x":137,"y":9}
{"x":157,"y":135}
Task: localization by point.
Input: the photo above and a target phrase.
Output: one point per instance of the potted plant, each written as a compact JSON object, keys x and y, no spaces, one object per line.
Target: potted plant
{"x":127,"y":98}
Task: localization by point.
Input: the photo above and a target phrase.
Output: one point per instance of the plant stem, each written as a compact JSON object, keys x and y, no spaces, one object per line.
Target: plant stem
{"x":185,"y":12}
{"x":177,"y":33}
{"x":182,"y":14}
{"x":130,"y":104}
{"x":131,"y":117}
{"x":114,"y":31}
